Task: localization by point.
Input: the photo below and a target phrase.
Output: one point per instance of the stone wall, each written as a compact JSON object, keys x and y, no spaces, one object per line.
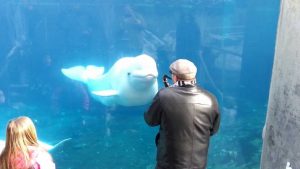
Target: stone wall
{"x":282,"y":136}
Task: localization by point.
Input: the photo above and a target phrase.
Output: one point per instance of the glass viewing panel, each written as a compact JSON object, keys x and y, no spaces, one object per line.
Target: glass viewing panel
{"x":231,"y":42}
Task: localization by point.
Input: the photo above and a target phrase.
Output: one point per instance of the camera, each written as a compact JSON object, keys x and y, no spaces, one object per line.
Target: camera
{"x":165,"y":80}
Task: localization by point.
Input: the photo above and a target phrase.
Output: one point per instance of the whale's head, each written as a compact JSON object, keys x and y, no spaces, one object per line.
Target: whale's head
{"x":133,"y":80}
{"x":142,"y":73}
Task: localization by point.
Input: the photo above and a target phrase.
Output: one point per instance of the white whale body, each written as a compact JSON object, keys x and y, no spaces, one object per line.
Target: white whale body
{"x":2,"y":145}
{"x":131,"y":81}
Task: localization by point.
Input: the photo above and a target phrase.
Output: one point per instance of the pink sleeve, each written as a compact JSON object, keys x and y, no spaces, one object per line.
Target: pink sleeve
{"x":18,"y":161}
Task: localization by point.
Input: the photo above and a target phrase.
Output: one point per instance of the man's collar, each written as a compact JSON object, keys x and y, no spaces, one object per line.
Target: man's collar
{"x":182,"y":83}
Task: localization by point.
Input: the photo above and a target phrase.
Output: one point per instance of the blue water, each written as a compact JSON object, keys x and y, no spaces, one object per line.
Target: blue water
{"x":231,"y":41}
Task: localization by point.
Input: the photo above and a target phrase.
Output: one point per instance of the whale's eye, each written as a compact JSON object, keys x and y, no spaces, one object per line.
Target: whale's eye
{"x":128,"y":73}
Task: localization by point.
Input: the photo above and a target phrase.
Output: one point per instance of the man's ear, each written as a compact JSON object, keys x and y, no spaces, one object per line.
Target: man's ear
{"x":174,"y":78}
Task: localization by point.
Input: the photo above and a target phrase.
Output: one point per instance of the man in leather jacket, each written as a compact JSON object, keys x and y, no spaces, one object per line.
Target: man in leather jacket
{"x":188,"y":115}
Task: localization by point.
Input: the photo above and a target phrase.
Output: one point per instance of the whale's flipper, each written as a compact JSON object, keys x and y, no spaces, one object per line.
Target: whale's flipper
{"x":51,"y":147}
{"x":107,"y":97}
{"x":55,"y":147}
{"x":48,"y":147}
{"x":82,"y":73}
{"x":106,"y":93}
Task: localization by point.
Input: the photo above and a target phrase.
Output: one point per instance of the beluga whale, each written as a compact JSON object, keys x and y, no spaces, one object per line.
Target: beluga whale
{"x":131,"y":81}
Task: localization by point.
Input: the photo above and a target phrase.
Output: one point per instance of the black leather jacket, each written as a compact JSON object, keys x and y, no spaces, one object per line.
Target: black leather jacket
{"x":187,"y":116}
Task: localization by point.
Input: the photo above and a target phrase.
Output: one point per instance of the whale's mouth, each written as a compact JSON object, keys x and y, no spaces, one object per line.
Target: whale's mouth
{"x":149,"y":76}
{"x":143,"y":77}
{"x":142,"y":81}
{"x":143,"y":74}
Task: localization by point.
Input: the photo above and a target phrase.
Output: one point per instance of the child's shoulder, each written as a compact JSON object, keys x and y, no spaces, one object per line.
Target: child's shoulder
{"x":38,"y":153}
{"x":41,"y":157}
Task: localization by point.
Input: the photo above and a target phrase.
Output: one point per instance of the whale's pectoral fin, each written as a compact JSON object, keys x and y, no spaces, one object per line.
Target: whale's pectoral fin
{"x":107,"y":97}
{"x":82,"y":73}
{"x":51,"y":148}
{"x":58,"y":147}
{"x":106,"y":93}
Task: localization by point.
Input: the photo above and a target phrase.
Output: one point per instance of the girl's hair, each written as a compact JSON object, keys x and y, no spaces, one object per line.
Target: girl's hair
{"x":20,"y":134}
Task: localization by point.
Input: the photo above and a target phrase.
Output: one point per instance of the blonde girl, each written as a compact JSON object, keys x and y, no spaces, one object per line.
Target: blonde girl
{"x":22,"y":150}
